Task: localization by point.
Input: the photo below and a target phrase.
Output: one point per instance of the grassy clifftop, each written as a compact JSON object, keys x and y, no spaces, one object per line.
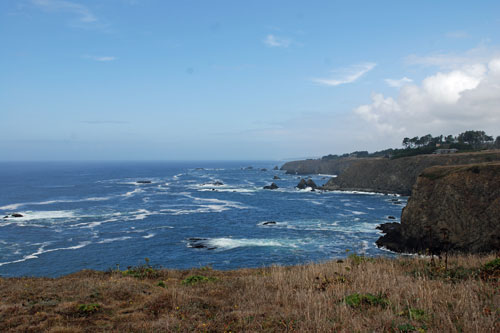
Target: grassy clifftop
{"x":355,"y":294}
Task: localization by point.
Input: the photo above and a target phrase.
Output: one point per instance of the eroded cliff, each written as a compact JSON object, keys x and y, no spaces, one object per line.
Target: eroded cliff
{"x":455,"y":208}
{"x":398,"y":175}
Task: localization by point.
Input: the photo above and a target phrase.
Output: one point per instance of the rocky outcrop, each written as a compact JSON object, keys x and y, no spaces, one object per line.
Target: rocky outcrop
{"x":303,"y":184}
{"x":399,"y":175}
{"x":13,"y":215}
{"x":455,"y":208}
{"x":273,"y":186}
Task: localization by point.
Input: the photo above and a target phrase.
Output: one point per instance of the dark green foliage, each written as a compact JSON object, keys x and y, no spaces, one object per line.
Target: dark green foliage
{"x":491,"y":270}
{"x":145,"y":271}
{"x":406,"y":328}
{"x":194,"y":279}
{"x":87,"y":309}
{"x":427,"y":144}
{"x":492,"y":266}
{"x":439,"y":272}
{"x":360,"y":300}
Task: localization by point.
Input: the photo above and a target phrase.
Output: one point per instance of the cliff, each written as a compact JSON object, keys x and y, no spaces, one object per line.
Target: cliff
{"x":328,"y":167}
{"x":398,"y":175}
{"x":455,"y":208}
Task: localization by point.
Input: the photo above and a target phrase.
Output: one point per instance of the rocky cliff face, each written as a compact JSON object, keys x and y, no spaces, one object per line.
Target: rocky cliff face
{"x":328,"y":167}
{"x":451,"y":207}
{"x":399,"y":175}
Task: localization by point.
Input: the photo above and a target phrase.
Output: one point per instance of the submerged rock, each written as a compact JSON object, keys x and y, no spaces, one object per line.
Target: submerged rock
{"x":273,"y":186}
{"x":452,"y":208}
{"x":199,"y":243}
{"x":218,"y":183}
{"x":143,"y":182}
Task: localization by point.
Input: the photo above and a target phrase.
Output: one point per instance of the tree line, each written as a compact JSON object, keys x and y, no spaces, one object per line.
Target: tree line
{"x":474,"y":139}
{"x":427,"y":144}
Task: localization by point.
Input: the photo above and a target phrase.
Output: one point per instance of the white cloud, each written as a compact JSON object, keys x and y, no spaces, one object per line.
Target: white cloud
{"x":275,"y":41}
{"x":100,"y":58}
{"x":347,"y":75}
{"x":83,"y":13}
{"x":444,"y":103}
{"x":398,"y":83}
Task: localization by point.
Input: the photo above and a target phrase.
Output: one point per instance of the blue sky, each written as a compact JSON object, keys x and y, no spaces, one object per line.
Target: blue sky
{"x":177,"y":80}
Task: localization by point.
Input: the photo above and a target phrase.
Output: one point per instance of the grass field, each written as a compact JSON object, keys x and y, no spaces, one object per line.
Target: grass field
{"x":356,"y":294}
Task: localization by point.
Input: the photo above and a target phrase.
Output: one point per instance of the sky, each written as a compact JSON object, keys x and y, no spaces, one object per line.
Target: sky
{"x":241,"y":80}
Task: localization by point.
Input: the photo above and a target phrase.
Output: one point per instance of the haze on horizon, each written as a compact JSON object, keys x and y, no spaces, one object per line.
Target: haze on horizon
{"x":231,"y":80}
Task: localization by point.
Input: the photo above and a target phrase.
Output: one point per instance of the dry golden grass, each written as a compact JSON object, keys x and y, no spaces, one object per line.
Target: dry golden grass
{"x":400,"y":295}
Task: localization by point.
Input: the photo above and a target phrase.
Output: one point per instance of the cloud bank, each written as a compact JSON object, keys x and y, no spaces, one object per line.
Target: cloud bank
{"x":446,"y":102}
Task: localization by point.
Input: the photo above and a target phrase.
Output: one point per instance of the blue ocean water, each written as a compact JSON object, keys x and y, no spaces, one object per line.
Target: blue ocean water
{"x":95,"y":215}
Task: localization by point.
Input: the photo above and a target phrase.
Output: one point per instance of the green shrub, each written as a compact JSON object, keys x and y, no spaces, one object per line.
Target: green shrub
{"x":194,"y":279}
{"x":492,"y":266}
{"x":87,"y":309}
{"x":145,"y":271}
{"x":358,"y":300}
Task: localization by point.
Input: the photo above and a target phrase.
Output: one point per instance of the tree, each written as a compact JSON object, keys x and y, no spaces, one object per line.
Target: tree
{"x":413,"y":142}
{"x":474,"y":138}
{"x":406,"y":143}
{"x":449,"y":139}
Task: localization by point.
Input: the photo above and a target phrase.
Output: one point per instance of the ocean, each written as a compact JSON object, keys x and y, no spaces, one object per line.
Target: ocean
{"x":104,"y":215}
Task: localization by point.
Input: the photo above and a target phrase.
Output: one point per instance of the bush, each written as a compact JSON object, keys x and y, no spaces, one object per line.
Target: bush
{"x":359,"y":300}
{"x":87,"y":309}
{"x":194,"y":279}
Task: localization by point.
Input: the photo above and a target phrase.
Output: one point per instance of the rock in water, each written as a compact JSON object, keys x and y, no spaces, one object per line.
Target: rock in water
{"x":263,"y":169}
{"x":273,"y":186}
{"x":454,"y":208}
{"x":276,"y":178}
{"x":143,"y":182}
{"x":276,"y":168}
{"x":310,"y":183}
{"x":302,"y":184}
{"x":269,"y":223}
{"x":16,"y":215}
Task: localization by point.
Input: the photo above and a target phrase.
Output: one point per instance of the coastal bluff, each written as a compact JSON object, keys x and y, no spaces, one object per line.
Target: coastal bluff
{"x":319,"y":166}
{"x":454,"y":208}
{"x":383,"y":175}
